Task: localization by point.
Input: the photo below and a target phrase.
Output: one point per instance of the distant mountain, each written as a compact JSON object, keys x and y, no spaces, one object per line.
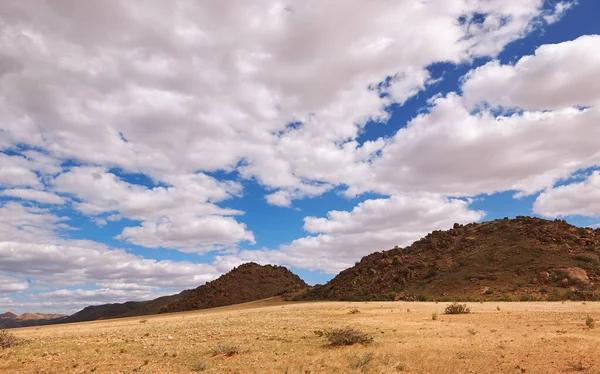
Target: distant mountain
{"x":248,"y":282}
{"x":8,"y":315}
{"x":11,"y":320}
{"x":508,"y":259}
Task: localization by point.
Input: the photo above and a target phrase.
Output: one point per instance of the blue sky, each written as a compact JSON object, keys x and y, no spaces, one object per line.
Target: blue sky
{"x":153,"y":155}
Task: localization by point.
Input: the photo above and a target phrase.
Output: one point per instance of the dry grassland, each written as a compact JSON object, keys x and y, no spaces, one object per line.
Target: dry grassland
{"x":275,"y":337}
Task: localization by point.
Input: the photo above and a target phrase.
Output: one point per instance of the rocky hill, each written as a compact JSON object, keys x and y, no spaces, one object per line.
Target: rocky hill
{"x":508,"y":259}
{"x":246,"y":283}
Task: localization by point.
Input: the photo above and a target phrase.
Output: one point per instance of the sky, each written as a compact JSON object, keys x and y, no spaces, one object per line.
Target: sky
{"x":147,"y":148}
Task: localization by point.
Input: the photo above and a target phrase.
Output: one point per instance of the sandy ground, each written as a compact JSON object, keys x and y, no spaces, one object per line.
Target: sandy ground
{"x":276,"y":337}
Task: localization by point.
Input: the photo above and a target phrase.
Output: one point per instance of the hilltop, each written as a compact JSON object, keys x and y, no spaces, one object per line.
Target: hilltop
{"x":246,"y":283}
{"x":508,"y":259}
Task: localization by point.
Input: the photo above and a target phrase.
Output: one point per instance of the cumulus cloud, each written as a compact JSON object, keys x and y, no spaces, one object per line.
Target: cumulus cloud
{"x":453,"y":151}
{"x":343,"y":237}
{"x":70,"y":264}
{"x":582,"y":198}
{"x":168,"y":89}
{"x":181,"y":216}
{"x":15,"y":171}
{"x":42,"y":197}
{"x":556,"y":76}
{"x":11,"y":284}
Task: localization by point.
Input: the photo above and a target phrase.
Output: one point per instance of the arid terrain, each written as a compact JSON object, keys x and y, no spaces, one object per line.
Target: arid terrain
{"x":272,"y":336}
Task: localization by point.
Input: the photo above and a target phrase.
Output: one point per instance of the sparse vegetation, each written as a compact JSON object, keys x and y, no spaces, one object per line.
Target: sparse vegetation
{"x":577,"y":366}
{"x":354,"y":311}
{"x":347,"y":336}
{"x":456,"y":308}
{"x":434,"y":316}
{"x":590,"y":322}
{"x":199,"y":366}
{"x":226,"y":350}
{"x":8,"y":340}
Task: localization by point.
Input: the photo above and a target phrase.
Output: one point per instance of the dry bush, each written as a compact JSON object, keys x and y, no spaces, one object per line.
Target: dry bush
{"x":8,"y":340}
{"x":347,"y":336}
{"x":199,"y":366}
{"x":590,"y":323}
{"x":225,"y":350}
{"x":354,"y":311}
{"x":434,"y":316}
{"x":577,"y":366}
{"x":456,"y":308}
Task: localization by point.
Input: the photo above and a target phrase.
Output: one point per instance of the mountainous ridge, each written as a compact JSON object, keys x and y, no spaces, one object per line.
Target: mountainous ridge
{"x":524,"y":258}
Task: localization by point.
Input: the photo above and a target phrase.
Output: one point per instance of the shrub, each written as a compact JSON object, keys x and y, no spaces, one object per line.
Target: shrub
{"x":225,"y":350}
{"x":354,"y":311}
{"x":8,"y":340}
{"x":590,"y":323}
{"x":456,"y":308}
{"x":434,"y":316}
{"x":199,"y":366}
{"x":347,"y":336}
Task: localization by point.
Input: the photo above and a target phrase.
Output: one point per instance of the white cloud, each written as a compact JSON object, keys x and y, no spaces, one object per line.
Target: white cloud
{"x":28,"y":224}
{"x":559,"y":11}
{"x":31,"y":248}
{"x":11,"y":284}
{"x":15,"y":171}
{"x":68,"y":264}
{"x":42,"y":197}
{"x":556,"y":76}
{"x":180,"y":216}
{"x":455,"y":152}
{"x":581,"y":198}
{"x":374,"y":225}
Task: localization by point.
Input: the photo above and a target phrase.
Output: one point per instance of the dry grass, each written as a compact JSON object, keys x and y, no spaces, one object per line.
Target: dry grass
{"x":279,"y":338}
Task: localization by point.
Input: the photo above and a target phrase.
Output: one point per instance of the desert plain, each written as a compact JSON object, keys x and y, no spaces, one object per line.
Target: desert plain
{"x":273,"y":336}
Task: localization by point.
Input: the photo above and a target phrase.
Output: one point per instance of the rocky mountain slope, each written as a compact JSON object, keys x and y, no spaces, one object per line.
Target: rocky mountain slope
{"x":508,"y":259}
